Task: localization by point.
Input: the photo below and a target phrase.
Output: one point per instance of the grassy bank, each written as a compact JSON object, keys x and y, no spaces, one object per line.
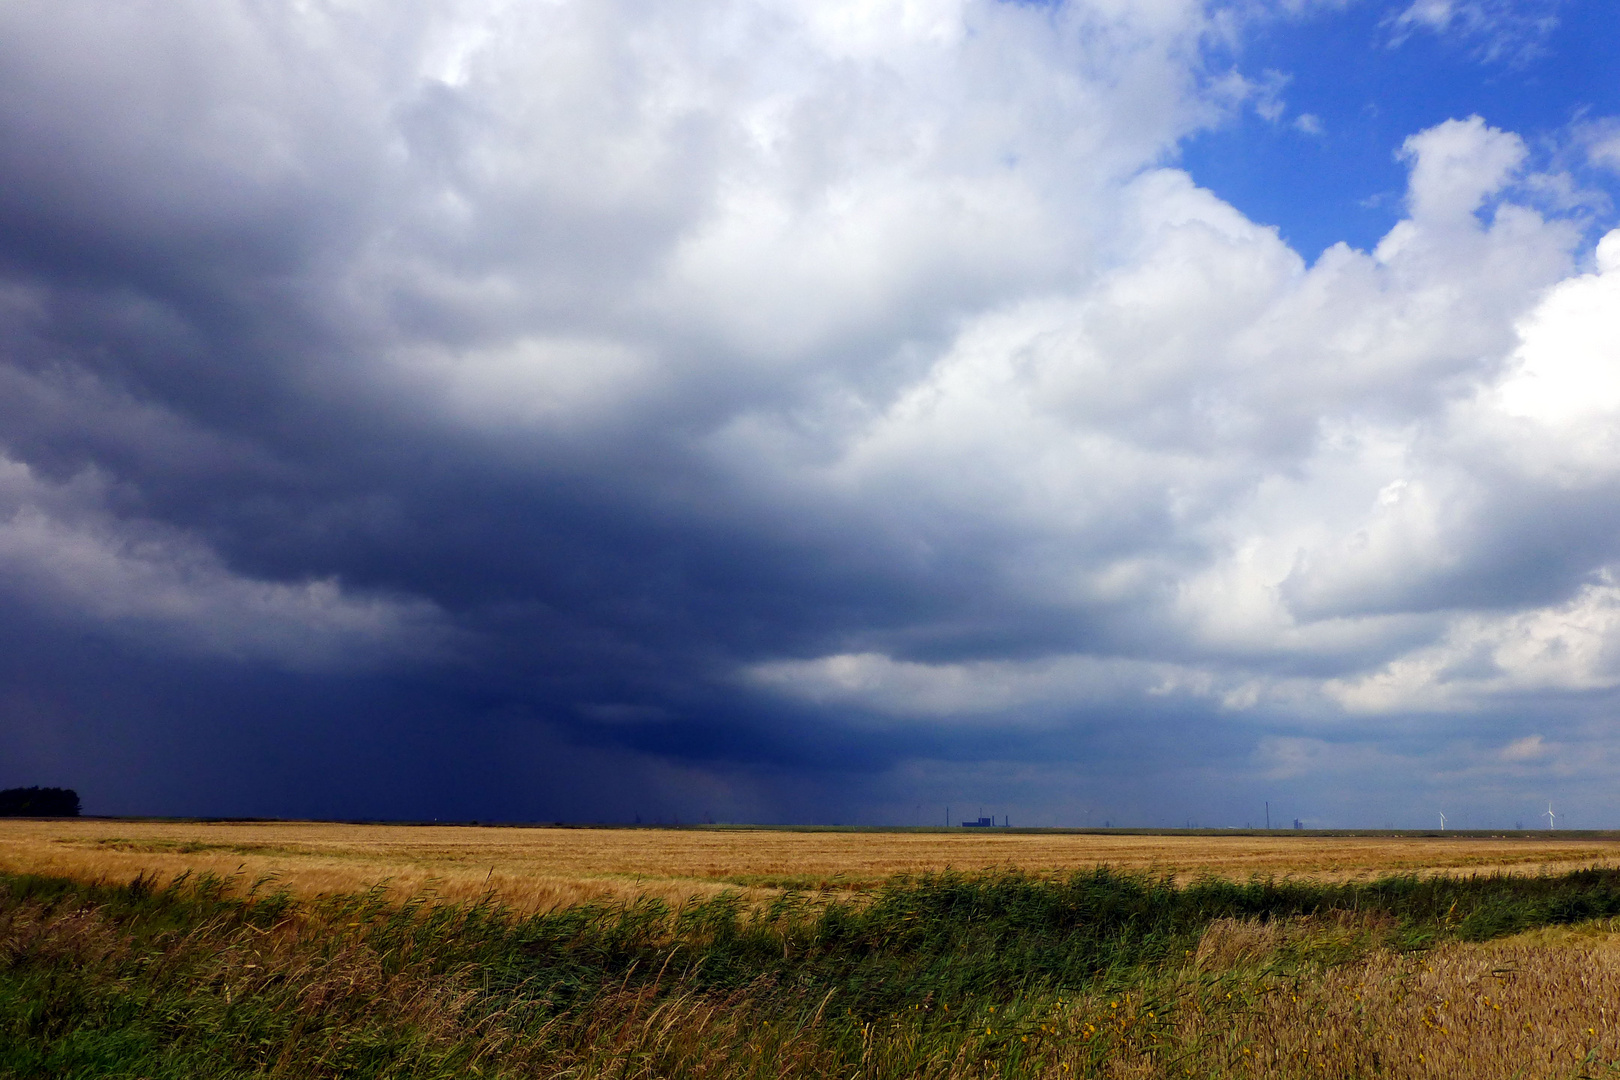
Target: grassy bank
{"x":1098,"y":974}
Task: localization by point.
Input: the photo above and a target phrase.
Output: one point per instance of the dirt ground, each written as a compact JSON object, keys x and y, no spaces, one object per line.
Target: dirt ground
{"x":541,"y":868}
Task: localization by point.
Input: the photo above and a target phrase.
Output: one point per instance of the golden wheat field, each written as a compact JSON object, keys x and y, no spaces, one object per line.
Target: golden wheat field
{"x":535,"y":869}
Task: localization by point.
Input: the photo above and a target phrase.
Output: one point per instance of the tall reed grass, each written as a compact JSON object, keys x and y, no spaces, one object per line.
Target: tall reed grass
{"x":1097,"y":974}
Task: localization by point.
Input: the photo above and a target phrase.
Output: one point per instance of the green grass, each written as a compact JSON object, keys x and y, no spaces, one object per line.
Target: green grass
{"x":938,"y":975}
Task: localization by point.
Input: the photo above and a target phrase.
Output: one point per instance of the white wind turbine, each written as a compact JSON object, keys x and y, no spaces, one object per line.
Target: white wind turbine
{"x":1549,"y":816}
{"x":1442,"y":821}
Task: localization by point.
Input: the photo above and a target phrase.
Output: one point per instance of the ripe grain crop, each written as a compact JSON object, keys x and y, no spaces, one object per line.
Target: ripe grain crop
{"x":1535,"y":1005}
{"x":539,"y":869}
{"x":1255,"y":1005}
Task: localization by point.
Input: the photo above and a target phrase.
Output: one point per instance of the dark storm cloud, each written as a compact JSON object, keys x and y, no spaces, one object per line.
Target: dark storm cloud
{"x":595,"y":410}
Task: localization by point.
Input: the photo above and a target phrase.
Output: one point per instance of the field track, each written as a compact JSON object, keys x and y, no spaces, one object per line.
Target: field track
{"x":541,"y":868}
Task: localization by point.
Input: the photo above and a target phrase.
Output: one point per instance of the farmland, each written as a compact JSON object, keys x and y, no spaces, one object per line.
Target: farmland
{"x":536,"y":869}
{"x":171,"y":949}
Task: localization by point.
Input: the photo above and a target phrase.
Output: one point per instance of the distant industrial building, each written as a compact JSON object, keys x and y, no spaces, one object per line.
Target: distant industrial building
{"x":982,"y":823}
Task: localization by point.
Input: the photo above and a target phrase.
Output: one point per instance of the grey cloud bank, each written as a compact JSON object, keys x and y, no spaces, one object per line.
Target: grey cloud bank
{"x":777,"y":411}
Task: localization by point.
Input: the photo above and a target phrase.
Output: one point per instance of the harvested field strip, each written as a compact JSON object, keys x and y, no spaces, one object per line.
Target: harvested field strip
{"x":1094,"y":974}
{"x":535,"y":869}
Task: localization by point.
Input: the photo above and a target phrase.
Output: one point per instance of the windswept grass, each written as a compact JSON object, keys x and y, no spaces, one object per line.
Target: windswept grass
{"x":1095,"y":974}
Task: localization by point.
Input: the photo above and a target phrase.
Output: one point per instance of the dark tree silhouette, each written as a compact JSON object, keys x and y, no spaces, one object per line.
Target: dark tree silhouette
{"x":39,"y":802}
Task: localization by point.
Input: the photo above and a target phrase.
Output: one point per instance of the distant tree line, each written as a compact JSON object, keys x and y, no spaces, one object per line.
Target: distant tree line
{"x":39,"y":802}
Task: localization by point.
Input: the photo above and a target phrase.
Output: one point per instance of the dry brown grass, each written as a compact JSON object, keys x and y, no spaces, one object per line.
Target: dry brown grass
{"x":535,"y":869}
{"x":1544,"y":1004}
{"x":1516,"y":1008}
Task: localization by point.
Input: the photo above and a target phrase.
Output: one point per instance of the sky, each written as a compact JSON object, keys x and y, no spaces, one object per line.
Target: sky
{"x":1143,"y":412}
